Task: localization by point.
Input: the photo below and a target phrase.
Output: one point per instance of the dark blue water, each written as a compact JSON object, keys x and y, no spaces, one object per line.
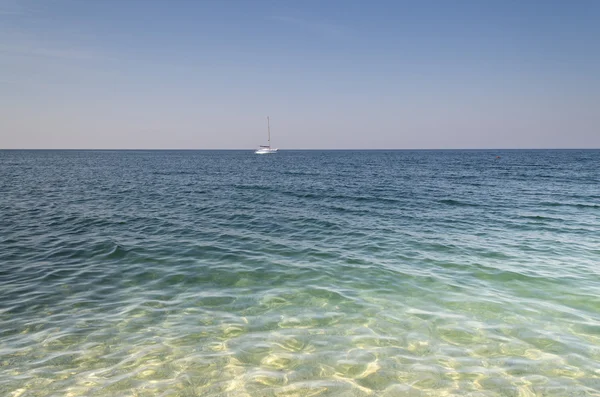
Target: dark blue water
{"x":224,"y":273}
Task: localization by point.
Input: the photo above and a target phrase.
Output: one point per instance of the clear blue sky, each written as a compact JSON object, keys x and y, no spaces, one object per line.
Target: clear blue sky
{"x":331,"y":74}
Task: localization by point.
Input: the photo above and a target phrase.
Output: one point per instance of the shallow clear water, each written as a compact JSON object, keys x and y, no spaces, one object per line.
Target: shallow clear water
{"x":405,"y":273}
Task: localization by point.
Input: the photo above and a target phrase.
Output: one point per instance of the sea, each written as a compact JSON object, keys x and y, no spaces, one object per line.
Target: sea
{"x":304,"y":273}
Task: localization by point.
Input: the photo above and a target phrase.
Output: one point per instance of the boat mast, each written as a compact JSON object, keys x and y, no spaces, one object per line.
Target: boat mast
{"x":269,"y":130}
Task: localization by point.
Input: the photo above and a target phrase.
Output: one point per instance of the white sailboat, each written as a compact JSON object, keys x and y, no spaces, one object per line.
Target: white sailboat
{"x":266,"y":149}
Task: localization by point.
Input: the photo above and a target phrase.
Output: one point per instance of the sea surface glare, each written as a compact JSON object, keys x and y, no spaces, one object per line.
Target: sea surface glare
{"x":305,"y":273}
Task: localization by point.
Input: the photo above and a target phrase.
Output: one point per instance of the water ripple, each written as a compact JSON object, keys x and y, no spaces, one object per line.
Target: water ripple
{"x":302,"y":274}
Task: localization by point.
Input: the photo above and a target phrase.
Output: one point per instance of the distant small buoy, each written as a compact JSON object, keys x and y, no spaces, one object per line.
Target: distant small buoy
{"x":497,"y":157}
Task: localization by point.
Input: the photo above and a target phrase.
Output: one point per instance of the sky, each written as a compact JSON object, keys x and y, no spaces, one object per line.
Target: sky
{"x":331,"y":74}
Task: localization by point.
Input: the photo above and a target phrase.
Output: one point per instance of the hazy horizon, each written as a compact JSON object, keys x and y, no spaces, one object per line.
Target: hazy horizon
{"x":391,"y":75}
{"x":298,"y":149}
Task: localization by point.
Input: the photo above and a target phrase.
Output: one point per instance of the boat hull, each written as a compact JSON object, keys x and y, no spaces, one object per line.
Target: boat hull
{"x":265,"y":151}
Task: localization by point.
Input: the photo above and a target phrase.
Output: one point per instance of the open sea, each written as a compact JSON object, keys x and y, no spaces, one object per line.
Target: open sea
{"x":305,"y":273}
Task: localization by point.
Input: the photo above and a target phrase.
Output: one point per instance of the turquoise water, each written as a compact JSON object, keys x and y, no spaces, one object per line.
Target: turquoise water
{"x":403,"y":273}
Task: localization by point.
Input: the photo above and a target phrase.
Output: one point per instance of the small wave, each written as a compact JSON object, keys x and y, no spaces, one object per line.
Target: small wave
{"x":252,"y":187}
{"x":536,"y":217}
{"x":300,"y":173}
{"x":171,"y":173}
{"x":457,"y":203}
{"x":586,"y":205}
{"x":540,"y":218}
{"x":117,"y":252}
{"x":573,"y":205}
{"x":303,"y":195}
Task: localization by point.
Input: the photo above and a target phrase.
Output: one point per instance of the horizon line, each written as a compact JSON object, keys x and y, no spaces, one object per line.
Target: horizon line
{"x":292,"y":150}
